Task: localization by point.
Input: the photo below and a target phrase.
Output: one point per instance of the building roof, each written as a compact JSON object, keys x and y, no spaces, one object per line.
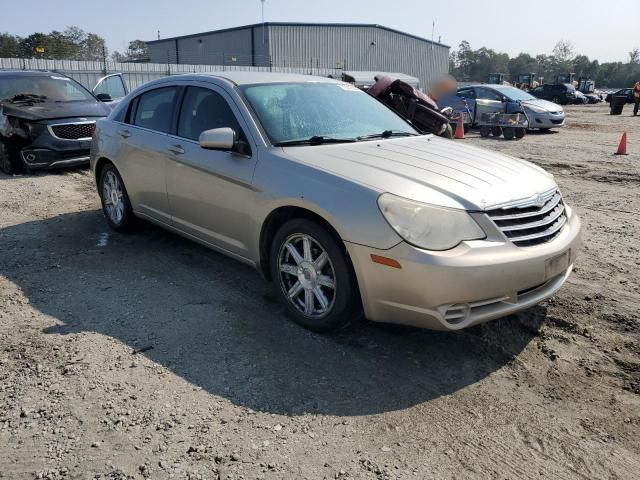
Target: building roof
{"x":300,"y":24}
{"x":252,"y":78}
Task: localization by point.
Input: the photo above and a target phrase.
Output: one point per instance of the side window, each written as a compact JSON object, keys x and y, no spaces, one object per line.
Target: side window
{"x":203,"y":109}
{"x":488,"y":94}
{"x":112,"y":85}
{"x":466,"y":93}
{"x":155,"y":108}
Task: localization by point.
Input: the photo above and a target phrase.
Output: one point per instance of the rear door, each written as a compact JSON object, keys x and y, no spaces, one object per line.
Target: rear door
{"x":146,"y":151}
{"x":210,"y":190}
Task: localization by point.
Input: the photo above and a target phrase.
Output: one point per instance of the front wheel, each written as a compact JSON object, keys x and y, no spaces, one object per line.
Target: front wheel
{"x":115,"y":200}
{"x":312,"y":276}
{"x":9,"y":160}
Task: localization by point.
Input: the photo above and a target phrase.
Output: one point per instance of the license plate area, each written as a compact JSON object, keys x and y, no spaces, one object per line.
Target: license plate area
{"x":554,"y":266}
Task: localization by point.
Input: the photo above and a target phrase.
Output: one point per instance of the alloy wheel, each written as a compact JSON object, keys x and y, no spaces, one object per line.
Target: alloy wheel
{"x":307,"y":275}
{"x":113,"y":198}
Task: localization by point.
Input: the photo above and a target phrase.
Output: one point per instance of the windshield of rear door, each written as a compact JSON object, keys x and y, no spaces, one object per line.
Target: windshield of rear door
{"x":516,"y":94}
{"x":297,"y":111}
{"x":51,"y":88}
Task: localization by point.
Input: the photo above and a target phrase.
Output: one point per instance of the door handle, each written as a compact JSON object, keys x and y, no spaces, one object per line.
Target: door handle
{"x":124,"y":133}
{"x":176,"y":149}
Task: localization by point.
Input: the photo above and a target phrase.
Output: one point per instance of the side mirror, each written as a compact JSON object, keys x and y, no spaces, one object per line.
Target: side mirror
{"x":104,"y":97}
{"x":218,"y":139}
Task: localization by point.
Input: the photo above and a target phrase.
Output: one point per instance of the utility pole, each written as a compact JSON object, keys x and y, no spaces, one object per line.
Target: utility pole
{"x":262,"y":4}
{"x":158,"y":34}
{"x":433,"y":31}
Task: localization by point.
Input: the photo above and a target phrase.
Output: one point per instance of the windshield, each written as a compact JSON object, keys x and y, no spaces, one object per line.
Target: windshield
{"x":290,"y":112}
{"x":51,"y":88}
{"x":516,"y":94}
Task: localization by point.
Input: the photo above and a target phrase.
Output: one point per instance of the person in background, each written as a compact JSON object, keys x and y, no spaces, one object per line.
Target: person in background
{"x":636,"y":97}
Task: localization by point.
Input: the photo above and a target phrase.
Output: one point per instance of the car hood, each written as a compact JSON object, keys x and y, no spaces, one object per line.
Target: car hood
{"x":546,"y":104}
{"x":53,"y":110}
{"x":430,"y":169}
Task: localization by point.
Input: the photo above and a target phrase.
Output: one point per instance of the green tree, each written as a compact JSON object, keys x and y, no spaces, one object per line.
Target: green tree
{"x":137,"y":51}
{"x":9,"y":45}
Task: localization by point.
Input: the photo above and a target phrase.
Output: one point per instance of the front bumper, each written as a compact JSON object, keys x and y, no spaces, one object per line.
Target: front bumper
{"x":41,"y":158}
{"x":475,"y":282}
{"x":42,"y":149}
{"x":546,"y":120}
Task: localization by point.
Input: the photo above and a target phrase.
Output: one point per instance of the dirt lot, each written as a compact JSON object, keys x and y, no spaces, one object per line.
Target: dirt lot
{"x":225,"y":387}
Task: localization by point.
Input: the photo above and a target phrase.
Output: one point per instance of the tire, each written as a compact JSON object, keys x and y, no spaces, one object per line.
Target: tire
{"x":485,"y":131}
{"x":509,"y":133}
{"x":496,"y":131}
{"x":115,"y":200}
{"x":520,"y":132}
{"x":10,"y":160}
{"x":320,"y":302}
{"x":545,"y":130}
{"x":556,"y":100}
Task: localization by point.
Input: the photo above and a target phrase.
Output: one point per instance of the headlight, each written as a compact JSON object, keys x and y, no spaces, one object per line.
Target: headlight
{"x":427,"y":226}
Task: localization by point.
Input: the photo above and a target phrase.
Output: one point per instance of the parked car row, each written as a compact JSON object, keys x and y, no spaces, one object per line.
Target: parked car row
{"x":330,"y":194}
{"x":623,"y":92}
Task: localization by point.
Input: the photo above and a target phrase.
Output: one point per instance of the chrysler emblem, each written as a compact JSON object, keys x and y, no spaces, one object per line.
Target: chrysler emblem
{"x":539,"y":201}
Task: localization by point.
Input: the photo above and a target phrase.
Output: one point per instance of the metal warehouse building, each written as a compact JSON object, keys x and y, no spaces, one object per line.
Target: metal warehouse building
{"x":314,"y":47}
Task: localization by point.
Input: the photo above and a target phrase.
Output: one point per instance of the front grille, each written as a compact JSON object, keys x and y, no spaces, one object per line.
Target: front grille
{"x":557,"y":122}
{"x":529,"y":225}
{"x":73,"y":131}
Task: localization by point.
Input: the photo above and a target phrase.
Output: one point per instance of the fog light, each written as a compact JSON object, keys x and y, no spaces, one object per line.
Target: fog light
{"x":457,"y":313}
{"x":30,"y":157}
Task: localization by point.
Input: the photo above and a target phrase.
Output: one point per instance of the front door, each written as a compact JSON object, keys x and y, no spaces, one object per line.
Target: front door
{"x":488,"y":101}
{"x":210,"y":191}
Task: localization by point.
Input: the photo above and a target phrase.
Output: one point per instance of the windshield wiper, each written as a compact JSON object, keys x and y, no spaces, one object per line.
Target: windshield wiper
{"x":387,"y":134}
{"x":315,"y":140}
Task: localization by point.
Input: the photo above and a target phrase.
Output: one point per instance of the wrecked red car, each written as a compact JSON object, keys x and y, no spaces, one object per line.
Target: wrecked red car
{"x":46,"y":121}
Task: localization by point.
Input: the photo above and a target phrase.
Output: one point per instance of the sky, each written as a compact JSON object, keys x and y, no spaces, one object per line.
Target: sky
{"x":600,"y":32}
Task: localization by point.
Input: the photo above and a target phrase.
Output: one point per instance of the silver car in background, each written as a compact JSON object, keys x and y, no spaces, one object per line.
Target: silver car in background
{"x":336,"y":199}
{"x":542,"y":114}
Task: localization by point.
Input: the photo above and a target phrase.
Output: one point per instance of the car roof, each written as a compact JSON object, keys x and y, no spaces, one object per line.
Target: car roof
{"x":249,"y":78}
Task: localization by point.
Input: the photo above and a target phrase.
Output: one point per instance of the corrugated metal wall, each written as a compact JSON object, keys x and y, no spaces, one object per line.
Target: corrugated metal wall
{"x":312,"y":47}
{"x":357,"y":48}
{"x":242,"y":47}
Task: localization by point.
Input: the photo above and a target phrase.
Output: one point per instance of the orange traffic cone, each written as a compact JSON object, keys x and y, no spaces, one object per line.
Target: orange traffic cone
{"x":622,"y":147}
{"x":460,"y":127}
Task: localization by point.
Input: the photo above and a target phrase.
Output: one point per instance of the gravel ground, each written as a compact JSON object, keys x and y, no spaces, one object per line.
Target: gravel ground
{"x":147,"y":356}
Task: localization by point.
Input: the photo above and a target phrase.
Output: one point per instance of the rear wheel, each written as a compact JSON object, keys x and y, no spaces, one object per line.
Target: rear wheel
{"x":312,"y":276}
{"x":485,"y":131}
{"x":509,"y":133}
{"x":556,"y":100}
{"x":115,"y":200}
{"x":520,"y":132}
